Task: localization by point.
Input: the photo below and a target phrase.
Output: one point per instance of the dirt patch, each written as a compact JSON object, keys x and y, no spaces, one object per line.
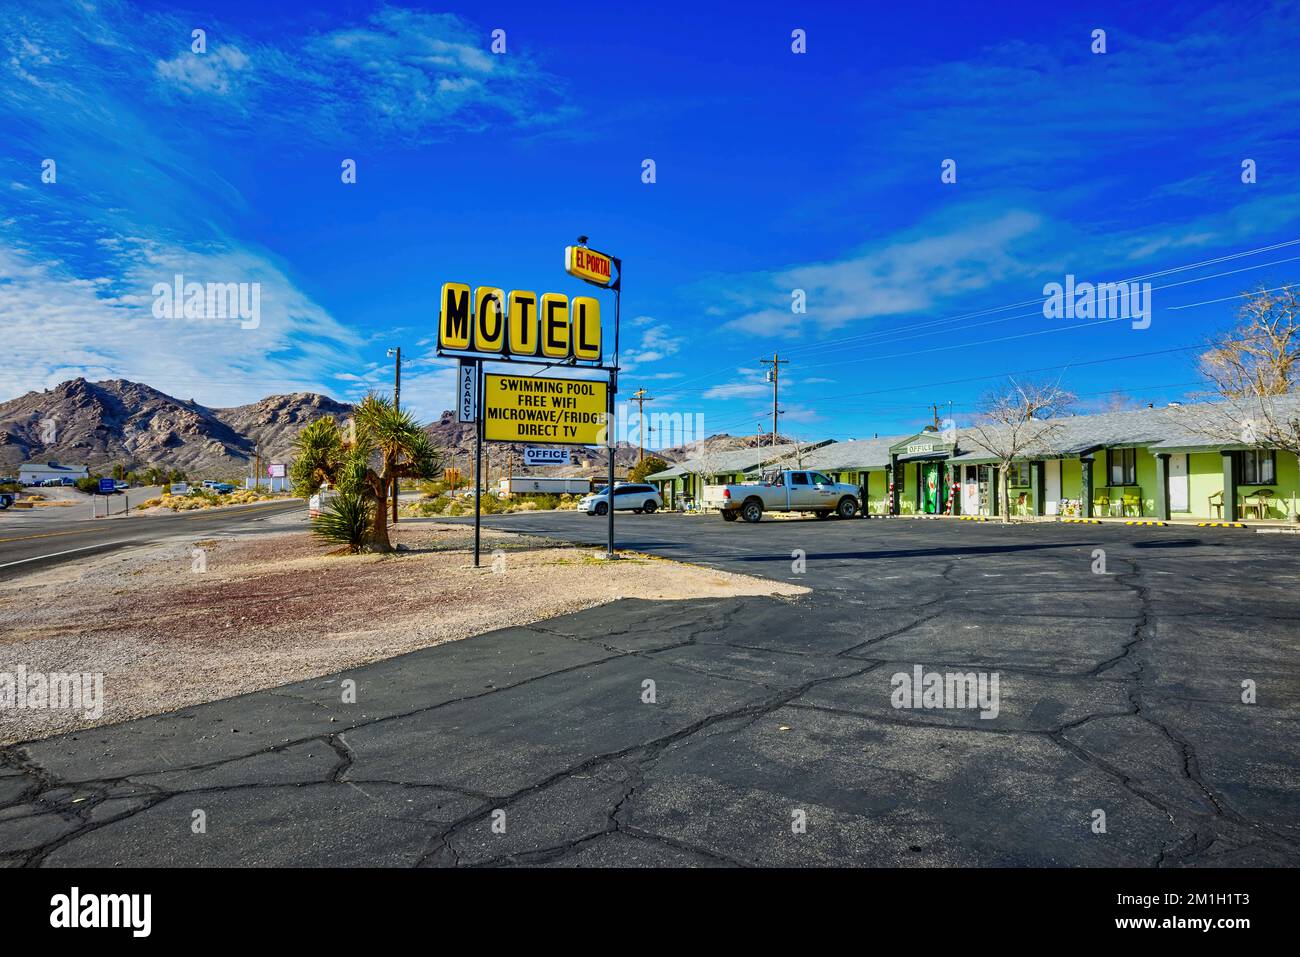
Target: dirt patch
{"x":197,"y":620}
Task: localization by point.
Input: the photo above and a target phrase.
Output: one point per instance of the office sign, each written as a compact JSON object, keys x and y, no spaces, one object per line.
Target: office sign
{"x":544,"y":410}
{"x":275,"y":469}
{"x":588,"y":265}
{"x":545,"y":456}
{"x":488,"y":322}
{"x":467,"y":391}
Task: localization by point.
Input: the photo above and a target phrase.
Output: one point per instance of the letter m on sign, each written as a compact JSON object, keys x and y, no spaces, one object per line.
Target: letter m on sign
{"x":453,"y":324}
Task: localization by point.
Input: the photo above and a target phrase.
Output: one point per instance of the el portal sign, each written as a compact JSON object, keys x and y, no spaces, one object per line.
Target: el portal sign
{"x":493,"y":324}
{"x":532,"y":409}
{"x":588,"y":265}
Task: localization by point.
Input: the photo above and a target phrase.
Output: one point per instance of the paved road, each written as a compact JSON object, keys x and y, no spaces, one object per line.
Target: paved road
{"x":771,"y":737}
{"x":30,"y":540}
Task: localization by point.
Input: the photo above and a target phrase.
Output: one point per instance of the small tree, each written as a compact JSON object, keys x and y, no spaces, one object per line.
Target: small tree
{"x":1261,"y":356}
{"x":383,"y":444}
{"x":647,"y":466}
{"x":1015,"y":421}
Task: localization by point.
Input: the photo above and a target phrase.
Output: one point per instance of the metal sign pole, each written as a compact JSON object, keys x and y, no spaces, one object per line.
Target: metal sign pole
{"x":478,"y":463}
{"x":613,"y":405}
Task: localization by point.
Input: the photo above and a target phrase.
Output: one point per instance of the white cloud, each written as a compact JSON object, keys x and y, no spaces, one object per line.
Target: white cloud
{"x":915,"y":272}
{"x":215,"y":71}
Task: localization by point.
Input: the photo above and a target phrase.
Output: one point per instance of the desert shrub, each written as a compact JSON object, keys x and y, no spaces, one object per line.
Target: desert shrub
{"x":457,"y":508}
{"x":346,"y":521}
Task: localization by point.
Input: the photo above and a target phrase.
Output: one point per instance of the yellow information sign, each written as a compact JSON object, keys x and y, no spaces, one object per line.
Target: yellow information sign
{"x":520,"y":408}
{"x":588,"y":264}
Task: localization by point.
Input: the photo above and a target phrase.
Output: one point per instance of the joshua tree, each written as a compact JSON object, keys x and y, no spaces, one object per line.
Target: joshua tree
{"x":380,"y":445}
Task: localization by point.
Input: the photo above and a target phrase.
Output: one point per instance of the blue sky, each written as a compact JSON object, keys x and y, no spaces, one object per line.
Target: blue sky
{"x":775,"y":171}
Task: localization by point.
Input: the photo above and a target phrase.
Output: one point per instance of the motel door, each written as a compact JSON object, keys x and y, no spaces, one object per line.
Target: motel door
{"x":970,"y":493}
{"x":1178,"y":483}
{"x":1052,"y":486}
{"x":934,"y":491}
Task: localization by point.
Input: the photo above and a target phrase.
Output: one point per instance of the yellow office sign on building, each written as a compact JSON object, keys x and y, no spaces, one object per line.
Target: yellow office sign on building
{"x":520,"y":408}
{"x":493,"y":324}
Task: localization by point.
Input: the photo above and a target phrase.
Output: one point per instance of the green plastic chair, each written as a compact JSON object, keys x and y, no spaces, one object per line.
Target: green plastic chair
{"x":1131,"y":504}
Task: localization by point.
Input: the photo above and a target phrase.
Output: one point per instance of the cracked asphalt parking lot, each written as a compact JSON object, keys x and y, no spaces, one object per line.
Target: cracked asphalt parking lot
{"x":1119,"y":692}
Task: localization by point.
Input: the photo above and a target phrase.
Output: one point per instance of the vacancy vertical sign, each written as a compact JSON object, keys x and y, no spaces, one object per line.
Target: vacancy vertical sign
{"x":467,"y":391}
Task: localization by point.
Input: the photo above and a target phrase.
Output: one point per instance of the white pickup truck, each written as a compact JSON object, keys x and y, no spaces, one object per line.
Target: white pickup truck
{"x":797,"y":490}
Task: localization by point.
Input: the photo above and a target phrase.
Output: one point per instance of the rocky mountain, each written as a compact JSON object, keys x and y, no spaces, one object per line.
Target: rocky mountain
{"x":101,"y":424}
{"x":118,"y":421}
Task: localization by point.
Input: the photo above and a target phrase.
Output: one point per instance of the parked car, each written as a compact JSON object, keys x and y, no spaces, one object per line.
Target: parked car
{"x":793,"y":490}
{"x":123,"y":486}
{"x":222,"y":488}
{"x":6,"y":499}
{"x":630,"y":497}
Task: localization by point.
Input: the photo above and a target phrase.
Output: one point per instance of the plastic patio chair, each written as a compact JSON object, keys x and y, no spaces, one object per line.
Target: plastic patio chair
{"x":1131,"y":504}
{"x":1260,"y":501}
{"x":1101,"y":505}
{"x":1216,"y":504}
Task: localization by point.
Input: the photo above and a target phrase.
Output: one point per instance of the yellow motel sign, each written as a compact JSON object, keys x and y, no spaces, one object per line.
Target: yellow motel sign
{"x":520,"y":408}
{"x":487,"y":321}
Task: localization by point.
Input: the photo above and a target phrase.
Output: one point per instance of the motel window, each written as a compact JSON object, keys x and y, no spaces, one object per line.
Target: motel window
{"x":1018,"y":475}
{"x":1258,"y":467}
{"x":1123,"y":466}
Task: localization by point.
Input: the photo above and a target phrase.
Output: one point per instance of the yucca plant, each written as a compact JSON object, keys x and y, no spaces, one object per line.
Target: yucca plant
{"x":346,"y":521}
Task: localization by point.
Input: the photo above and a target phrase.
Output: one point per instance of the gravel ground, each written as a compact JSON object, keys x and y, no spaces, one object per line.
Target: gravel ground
{"x":278,"y":608}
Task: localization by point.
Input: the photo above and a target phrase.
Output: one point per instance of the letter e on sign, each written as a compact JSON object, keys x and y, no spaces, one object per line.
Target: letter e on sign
{"x":586,"y":328}
{"x":454,"y":321}
{"x":555,"y":326}
{"x":490,"y":316}
{"x":523,"y":323}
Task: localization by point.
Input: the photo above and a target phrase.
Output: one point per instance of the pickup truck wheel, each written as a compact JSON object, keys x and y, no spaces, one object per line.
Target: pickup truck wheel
{"x":848,"y":507}
{"x":752,"y":510}
{"x":728,"y":515}
{"x":602,"y":508}
{"x":649,"y":507}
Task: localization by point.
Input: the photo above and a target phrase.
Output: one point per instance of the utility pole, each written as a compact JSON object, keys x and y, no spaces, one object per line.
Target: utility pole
{"x":774,"y":377}
{"x":397,"y":404}
{"x":641,"y":399}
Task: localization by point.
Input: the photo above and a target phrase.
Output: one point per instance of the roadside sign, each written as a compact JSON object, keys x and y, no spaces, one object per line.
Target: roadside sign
{"x":179,"y":488}
{"x":107,"y":486}
{"x":275,"y":469}
{"x":588,"y":265}
{"x":544,"y":410}
{"x":544,"y":456}
{"x":492,"y":324}
{"x":467,"y":391}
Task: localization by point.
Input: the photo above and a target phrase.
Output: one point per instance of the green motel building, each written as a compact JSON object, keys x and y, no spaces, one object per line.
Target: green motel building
{"x":1192,"y":462}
